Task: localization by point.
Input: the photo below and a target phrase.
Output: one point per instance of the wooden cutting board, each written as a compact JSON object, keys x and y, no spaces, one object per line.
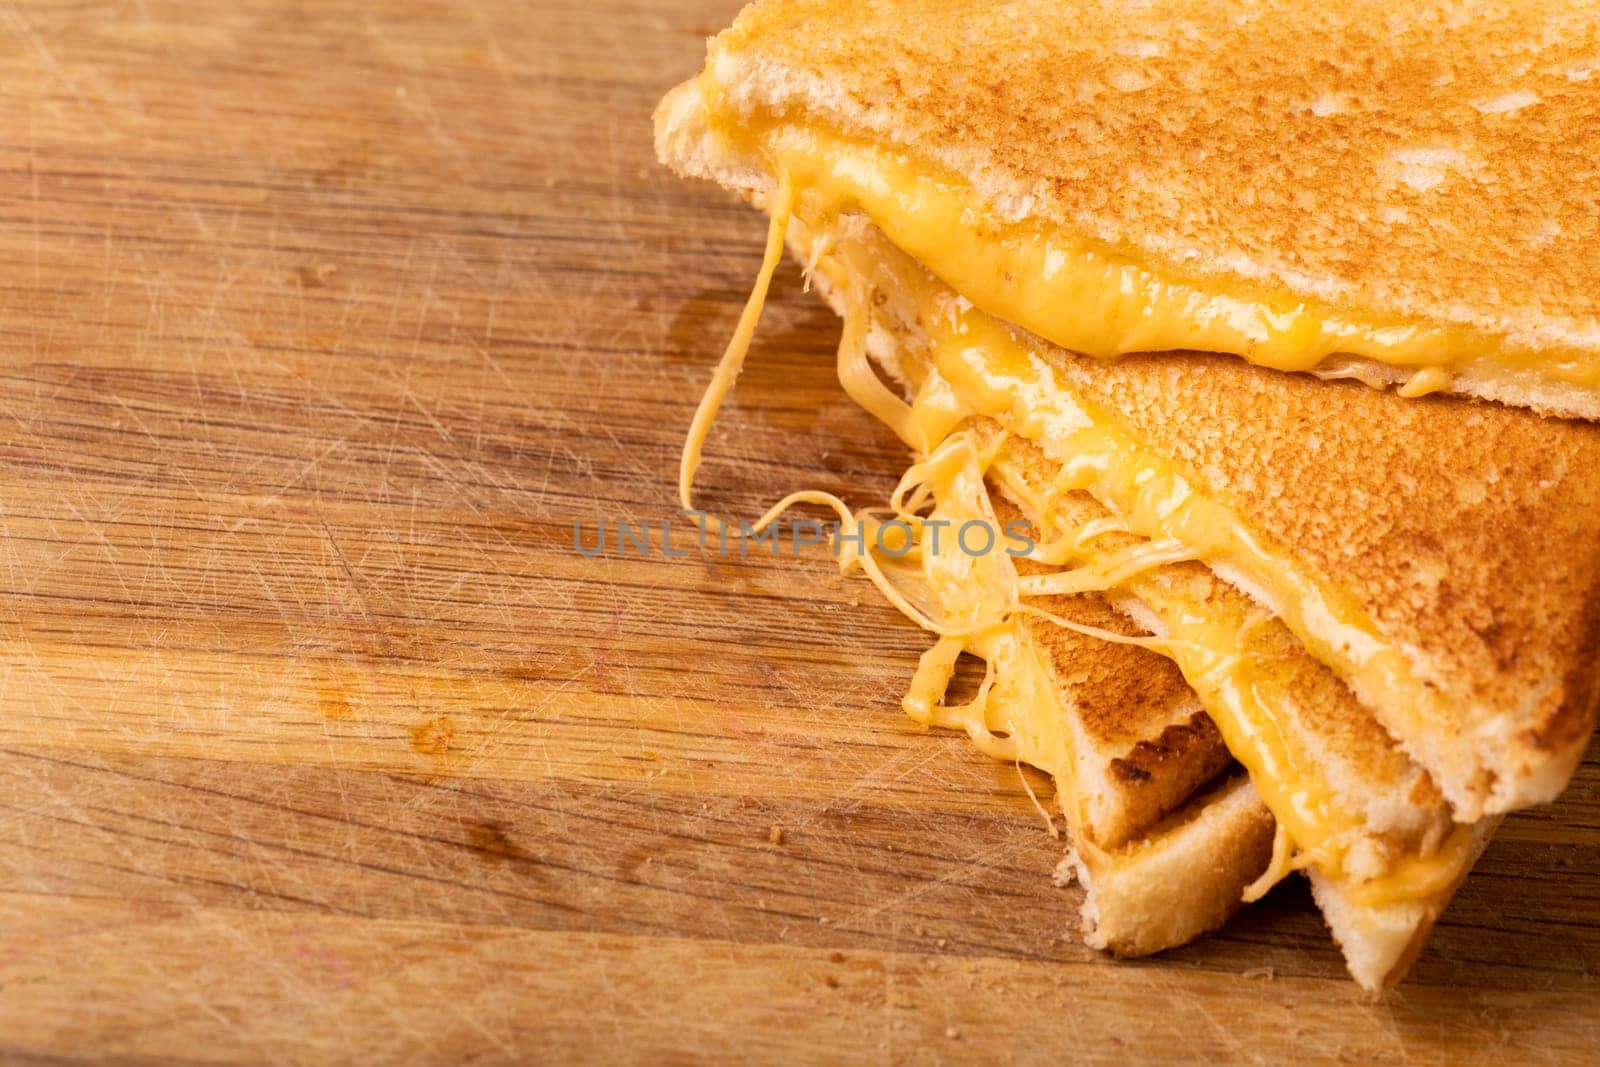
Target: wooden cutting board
{"x":320,"y":327}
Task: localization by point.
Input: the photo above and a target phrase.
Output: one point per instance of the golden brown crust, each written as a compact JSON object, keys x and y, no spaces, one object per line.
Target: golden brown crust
{"x":1430,"y":161}
{"x":1118,"y":687}
{"x":1150,"y":743}
{"x":1174,"y":747}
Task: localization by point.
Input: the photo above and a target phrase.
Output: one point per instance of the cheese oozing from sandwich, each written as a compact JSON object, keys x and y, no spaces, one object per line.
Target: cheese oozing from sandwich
{"x":933,"y":222}
{"x":1089,"y":297}
{"x":1232,"y":683}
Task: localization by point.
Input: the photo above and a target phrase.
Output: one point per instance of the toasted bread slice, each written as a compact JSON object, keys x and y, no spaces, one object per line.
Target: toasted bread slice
{"x":1184,"y":879}
{"x":1165,"y":831}
{"x":1398,"y":194}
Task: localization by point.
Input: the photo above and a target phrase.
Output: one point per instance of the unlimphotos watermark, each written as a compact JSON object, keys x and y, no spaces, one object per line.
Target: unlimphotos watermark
{"x":892,"y":538}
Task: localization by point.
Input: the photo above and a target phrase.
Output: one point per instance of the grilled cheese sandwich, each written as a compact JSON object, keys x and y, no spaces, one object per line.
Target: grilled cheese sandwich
{"x":1389,"y":675}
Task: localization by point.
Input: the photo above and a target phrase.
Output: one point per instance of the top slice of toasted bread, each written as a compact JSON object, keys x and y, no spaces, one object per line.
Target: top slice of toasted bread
{"x":1428,"y":164}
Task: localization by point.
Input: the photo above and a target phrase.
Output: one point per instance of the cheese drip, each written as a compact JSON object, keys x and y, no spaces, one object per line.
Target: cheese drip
{"x":953,"y":458}
{"x":1017,"y":714}
{"x":861,"y":382}
{"x":733,"y":357}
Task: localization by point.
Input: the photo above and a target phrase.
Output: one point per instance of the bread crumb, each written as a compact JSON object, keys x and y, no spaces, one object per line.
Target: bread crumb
{"x":776,"y":835}
{"x":952,"y":1033}
{"x":1260,"y":972}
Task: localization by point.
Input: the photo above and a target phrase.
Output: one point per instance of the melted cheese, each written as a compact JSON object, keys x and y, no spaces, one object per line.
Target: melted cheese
{"x":1282,"y":865}
{"x":999,"y":376}
{"x":733,"y":357}
{"x":1425,"y":381}
{"x":1017,"y":714}
{"x":860,"y":381}
{"x":1091,"y":298}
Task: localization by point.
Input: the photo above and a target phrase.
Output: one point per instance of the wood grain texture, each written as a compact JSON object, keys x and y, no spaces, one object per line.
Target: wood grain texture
{"x":320,"y":326}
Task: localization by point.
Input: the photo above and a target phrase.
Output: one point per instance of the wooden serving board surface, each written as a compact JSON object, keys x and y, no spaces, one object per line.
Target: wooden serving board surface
{"x":320,"y":326}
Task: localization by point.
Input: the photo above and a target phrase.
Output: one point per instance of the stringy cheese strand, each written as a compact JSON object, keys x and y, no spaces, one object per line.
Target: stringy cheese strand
{"x":733,"y":356}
